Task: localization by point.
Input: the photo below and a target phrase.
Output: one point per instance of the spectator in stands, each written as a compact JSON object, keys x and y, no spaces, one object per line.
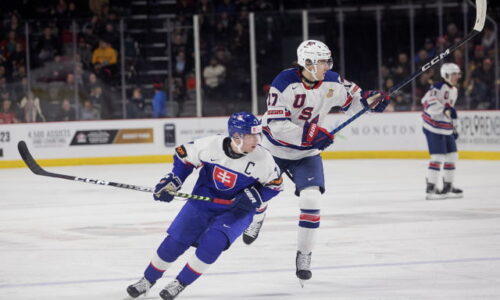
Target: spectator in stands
{"x":458,"y":58}
{"x":9,"y":45}
{"x":159,"y":102}
{"x":47,"y":47}
{"x":110,"y":35}
{"x":179,"y":93}
{"x":104,"y":59}
{"x":488,"y":40}
{"x":421,"y":58}
{"x":31,"y":109}
{"x":101,"y":102}
{"x":483,"y":79}
{"x":19,"y":89}
{"x":7,"y":115}
{"x":136,"y":104}
{"x":96,"y":6}
{"x":3,"y":85}
{"x":85,"y":52}
{"x":92,"y":82}
{"x":56,"y":70}
{"x":205,"y":7}
{"x":452,"y":34}
{"x":89,"y":112}
{"x":181,"y":66}
{"x":429,"y":47}
{"x":214,"y":75}
{"x":18,"y":57}
{"x":66,"y":112}
{"x":479,"y":55}
{"x":3,"y":71}
{"x":401,"y":70}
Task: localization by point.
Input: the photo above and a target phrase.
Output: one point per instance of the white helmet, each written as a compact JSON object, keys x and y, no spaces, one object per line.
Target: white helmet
{"x":310,"y":52}
{"x":447,"y":69}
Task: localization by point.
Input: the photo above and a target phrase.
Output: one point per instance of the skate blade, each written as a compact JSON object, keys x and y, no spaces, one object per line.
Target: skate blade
{"x":435,"y":197}
{"x":302,"y":283}
{"x":454,"y":196}
{"x":141,"y":297}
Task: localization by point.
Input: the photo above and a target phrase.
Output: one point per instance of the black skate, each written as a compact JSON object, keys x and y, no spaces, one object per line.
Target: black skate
{"x":172,"y":290}
{"x":140,"y":287}
{"x":252,"y":232}
{"x":432,"y":192}
{"x":303,"y":263}
{"x":450,"y":191}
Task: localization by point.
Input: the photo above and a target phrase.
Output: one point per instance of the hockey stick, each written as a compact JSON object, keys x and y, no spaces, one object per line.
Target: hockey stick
{"x":478,"y":27}
{"x":38,"y":170}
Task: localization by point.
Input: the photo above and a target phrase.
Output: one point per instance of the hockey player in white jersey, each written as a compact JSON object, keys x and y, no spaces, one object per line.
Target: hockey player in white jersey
{"x":299,"y":100}
{"x":234,"y":168}
{"x":439,"y":126}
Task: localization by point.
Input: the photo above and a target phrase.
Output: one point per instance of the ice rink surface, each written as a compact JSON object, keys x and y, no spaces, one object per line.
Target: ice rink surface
{"x":379,"y":238}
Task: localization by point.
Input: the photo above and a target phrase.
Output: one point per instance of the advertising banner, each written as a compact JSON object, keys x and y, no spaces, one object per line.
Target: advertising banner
{"x":130,"y":139}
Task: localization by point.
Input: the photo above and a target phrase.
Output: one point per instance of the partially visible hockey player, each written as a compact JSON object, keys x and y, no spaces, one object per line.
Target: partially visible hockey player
{"x":439,"y":126}
{"x":234,"y":167}
{"x":299,"y":100}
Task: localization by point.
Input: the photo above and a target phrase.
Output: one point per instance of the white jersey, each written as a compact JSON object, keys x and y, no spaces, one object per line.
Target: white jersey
{"x":222,"y":176}
{"x":291,"y":103}
{"x":434,"y":102}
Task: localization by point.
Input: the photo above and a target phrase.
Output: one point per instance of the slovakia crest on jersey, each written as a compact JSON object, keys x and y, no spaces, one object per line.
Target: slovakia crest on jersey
{"x":224,"y":180}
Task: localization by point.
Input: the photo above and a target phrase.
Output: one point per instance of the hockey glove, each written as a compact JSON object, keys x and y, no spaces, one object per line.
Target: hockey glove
{"x":316,"y":136}
{"x":455,"y":134}
{"x":247,"y":200}
{"x":169,"y":183}
{"x":368,"y":97}
{"x":450,"y":112}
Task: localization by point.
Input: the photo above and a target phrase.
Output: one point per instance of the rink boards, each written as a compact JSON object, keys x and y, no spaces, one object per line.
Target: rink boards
{"x":388,"y":135}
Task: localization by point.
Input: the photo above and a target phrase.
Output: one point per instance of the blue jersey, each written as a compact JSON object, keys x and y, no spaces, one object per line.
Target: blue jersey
{"x":222,"y":176}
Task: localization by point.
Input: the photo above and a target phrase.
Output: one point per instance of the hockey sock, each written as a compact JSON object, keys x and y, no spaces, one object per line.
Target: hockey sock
{"x":434,"y":168}
{"x":211,"y":246}
{"x":309,"y":219}
{"x":170,"y":249}
{"x":449,"y":166}
{"x":259,"y":215}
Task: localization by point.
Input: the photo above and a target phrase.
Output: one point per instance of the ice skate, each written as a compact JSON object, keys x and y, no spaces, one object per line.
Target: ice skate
{"x":303,"y":263}
{"x":432,"y":192}
{"x":451,"y":192}
{"x":141,"y":287}
{"x":172,"y":290}
{"x":252,"y":232}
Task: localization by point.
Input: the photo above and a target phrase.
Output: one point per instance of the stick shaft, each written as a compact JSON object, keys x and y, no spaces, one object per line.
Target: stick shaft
{"x":478,"y":27}
{"x":38,"y":170}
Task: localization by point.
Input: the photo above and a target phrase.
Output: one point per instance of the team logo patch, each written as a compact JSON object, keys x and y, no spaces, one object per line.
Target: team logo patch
{"x":181,"y":151}
{"x":329,"y":94}
{"x":224,"y":180}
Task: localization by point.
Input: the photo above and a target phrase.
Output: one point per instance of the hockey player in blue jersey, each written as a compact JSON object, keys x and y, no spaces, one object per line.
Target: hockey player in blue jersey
{"x":439,"y":126}
{"x":299,"y":100}
{"x":235,"y":168}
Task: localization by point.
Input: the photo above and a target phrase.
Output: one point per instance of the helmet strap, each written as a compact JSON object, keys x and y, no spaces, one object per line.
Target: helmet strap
{"x":313,"y":74}
{"x":237,"y":145}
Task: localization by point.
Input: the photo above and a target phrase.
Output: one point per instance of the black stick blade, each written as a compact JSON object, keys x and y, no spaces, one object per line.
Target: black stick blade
{"x":29,"y":160}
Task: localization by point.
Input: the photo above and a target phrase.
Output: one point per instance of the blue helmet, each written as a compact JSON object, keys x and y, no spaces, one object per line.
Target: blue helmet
{"x":243,"y":123}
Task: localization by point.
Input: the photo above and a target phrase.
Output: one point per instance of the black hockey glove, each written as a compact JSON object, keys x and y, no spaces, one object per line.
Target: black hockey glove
{"x":450,"y":111}
{"x":368,"y":97}
{"x":168,"y":183}
{"x":247,"y":200}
